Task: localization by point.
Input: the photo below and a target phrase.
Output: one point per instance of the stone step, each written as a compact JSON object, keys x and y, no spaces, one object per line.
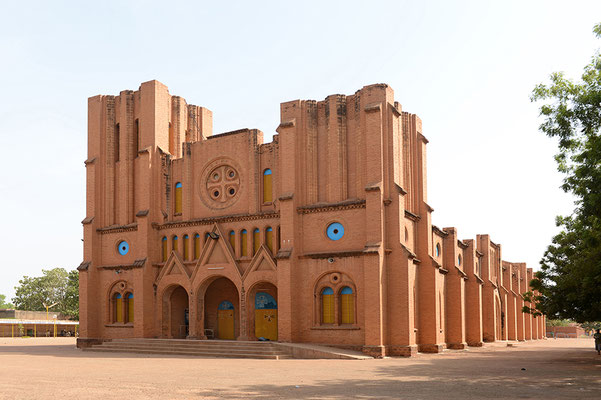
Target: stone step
{"x":229,"y":343}
{"x":206,"y":353}
{"x":190,"y":348}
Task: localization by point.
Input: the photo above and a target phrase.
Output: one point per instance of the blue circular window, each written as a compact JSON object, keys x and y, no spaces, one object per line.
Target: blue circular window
{"x":335,"y":231}
{"x":123,"y":247}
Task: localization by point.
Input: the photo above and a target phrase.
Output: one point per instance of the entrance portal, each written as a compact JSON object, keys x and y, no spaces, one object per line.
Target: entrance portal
{"x":221,"y":309}
{"x":179,"y":313}
{"x":225,"y":321}
{"x":266,"y":316}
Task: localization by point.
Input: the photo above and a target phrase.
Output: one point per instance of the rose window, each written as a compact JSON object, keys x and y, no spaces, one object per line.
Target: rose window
{"x":223,"y":184}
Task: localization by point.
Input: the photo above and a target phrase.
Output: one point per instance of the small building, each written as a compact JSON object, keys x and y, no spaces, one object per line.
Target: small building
{"x":18,"y":323}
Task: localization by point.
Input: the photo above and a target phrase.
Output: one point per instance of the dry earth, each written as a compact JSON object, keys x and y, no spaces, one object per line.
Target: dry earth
{"x":54,"y":368}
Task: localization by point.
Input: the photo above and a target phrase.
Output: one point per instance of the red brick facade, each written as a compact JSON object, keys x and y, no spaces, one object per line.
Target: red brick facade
{"x":330,"y":219}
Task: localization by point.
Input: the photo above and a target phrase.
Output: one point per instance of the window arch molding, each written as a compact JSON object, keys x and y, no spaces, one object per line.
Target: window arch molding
{"x":122,"y":288}
{"x":324,"y":281}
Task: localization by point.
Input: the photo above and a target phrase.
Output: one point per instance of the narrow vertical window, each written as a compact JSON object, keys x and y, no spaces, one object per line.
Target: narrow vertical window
{"x":171,"y":139}
{"x":174,"y":243}
{"x":196,"y":246}
{"x":347,"y":305}
{"x":130,"y":308}
{"x":206,"y":236}
{"x":244,"y":243}
{"x":327,"y":306}
{"x":178,"y":198}
{"x":164,"y":248}
{"x":269,"y":238}
{"x":118,"y":308}
{"x":117,"y":137}
{"x":186,"y":247}
{"x":267,"y":191}
{"x":136,"y":137}
{"x":279,"y":238}
{"x":256,"y":240}
{"x":233,"y":240}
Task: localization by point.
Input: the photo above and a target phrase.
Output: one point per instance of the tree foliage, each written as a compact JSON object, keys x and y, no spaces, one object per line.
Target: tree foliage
{"x":570,"y":278}
{"x":3,"y":303}
{"x":54,"y":286}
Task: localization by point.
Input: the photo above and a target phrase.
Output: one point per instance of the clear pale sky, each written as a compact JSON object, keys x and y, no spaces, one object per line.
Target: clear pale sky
{"x":465,"y":67}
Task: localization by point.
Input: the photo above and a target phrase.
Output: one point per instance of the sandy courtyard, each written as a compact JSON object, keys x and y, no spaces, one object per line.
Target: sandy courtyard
{"x":54,"y":368}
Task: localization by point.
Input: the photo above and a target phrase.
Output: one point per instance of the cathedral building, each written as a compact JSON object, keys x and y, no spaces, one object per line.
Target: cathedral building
{"x":323,"y":235}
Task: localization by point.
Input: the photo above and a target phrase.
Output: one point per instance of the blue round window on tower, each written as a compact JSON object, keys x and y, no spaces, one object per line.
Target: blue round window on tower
{"x":123,"y":247}
{"x":335,"y":231}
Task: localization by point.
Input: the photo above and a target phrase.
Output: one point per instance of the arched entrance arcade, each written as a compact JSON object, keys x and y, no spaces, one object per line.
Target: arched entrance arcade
{"x":221,"y":309}
{"x":263,"y":311}
{"x":175,"y":313}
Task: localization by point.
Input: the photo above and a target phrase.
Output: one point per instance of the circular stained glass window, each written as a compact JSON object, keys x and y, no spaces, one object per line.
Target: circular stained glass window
{"x":335,"y":231}
{"x":123,"y":247}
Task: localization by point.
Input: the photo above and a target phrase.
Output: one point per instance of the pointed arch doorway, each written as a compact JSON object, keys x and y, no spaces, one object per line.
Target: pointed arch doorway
{"x":221,"y":302}
{"x":265,"y":318}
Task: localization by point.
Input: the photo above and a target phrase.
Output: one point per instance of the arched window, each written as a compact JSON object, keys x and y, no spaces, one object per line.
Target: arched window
{"x":186,"y":247}
{"x":206,"y":236}
{"x":196,"y":246}
{"x":233,"y":240}
{"x":267,"y":191}
{"x":327,"y":306}
{"x":118,"y":312}
{"x":174,"y":243}
{"x":347,"y":306}
{"x":459,"y":260}
{"x":269,"y":238}
{"x":178,"y":198}
{"x":129,"y":298}
{"x":244,"y":243}
{"x":164,"y":248}
{"x":256,"y":240}
{"x":437,"y":250}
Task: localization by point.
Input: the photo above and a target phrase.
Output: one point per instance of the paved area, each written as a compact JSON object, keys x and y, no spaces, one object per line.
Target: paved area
{"x":54,"y":368}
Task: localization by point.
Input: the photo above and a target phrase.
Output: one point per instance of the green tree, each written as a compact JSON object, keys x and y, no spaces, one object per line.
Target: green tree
{"x":3,"y":303}
{"x":54,"y":286}
{"x":570,"y":278}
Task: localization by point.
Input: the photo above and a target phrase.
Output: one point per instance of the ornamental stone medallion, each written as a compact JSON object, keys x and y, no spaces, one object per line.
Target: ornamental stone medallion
{"x":220,"y":184}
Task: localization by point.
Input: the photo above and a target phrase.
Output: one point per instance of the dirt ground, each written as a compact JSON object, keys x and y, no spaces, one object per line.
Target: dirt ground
{"x":54,"y":368}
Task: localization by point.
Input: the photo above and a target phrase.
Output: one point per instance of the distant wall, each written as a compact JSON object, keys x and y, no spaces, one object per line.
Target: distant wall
{"x":20,"y":314}
{"x":564,"y":331}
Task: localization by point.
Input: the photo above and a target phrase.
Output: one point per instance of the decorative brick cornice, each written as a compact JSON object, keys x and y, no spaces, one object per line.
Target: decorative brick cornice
{"x":84,"y":266}
{"x":286,"y":196}
{"x":288,"y":123}
{"x":142,"y":213}
{"x":87,"y":220}
{"x":439,"y":231}
{"x":332,"y":254}
{"x":118,"y":229}
{"x":323,"y":207}
{"x":462,"y":244}
{"x":136,"y":264}
{"x":283,"y":254}
{"x":213,"y":220}
{"x":411,"y":216}
{"x":373,"y":107}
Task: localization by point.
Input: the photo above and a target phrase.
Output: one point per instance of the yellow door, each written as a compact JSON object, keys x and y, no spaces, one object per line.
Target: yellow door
{"x":225,"y":321}
{"x":266,"y":324}
{"x":266,"y":316}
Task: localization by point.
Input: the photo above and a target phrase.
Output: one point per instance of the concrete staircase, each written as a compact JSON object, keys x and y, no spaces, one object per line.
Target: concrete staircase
{"x":199,"y":348}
